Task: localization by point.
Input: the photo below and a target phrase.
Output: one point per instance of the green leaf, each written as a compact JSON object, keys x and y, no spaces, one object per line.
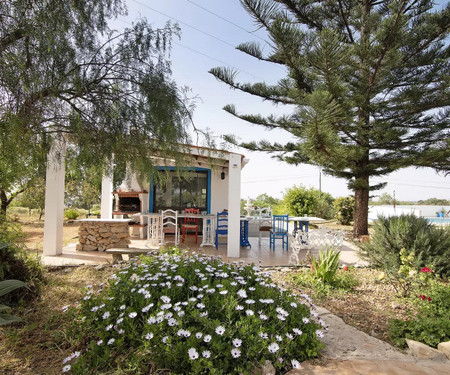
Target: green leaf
{"x":10,"y":285}
{"x":8,"y":319}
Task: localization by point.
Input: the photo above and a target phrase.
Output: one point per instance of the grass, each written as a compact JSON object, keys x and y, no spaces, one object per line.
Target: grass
{"x":38,"y":345}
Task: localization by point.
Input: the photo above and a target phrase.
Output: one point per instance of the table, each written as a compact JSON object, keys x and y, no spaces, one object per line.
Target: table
{"x":302,"y":223}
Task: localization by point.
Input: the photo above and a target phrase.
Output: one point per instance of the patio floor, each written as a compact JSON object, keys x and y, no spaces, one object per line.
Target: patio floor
{"x":256,"y":254}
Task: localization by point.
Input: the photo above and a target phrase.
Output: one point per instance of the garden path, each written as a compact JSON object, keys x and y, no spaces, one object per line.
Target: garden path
{"x":352,"y":352}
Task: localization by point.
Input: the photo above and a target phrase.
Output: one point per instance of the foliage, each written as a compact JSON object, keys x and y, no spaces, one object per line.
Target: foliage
{"x":406,"y":279}
{"x":431,"y":325}
{"x":17,"y":263}
{"x":385,"y":199}
{"x":191,"y":315}
{"x":64,"y":73}
{"x":362,"y":79}
{"x":344,"y":281}
{"x":6,"y":287}
{"x":34,"y":197}
{"x":344,"y":207}
{"x":435,"y":202}
{"x":265,"y":200}
{"x":301,"y":201}
{"x":326,"y":264}
{"x":430,"y":244}
{"x":71,"y":214}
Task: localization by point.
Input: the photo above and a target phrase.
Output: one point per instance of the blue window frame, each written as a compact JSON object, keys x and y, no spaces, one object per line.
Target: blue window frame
{"x":193,"y":190}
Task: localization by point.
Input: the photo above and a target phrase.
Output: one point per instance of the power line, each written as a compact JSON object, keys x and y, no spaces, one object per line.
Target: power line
{"x":226,"y":20}
{"x":206,"y":55}
{"x":222,"y":62}
{"x":185,"y":23}
{"x":278,"y":179}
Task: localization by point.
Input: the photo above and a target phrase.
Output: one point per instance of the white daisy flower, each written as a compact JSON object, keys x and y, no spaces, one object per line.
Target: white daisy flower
{"x":207,"y":338}
{"x":235,"y":353}
{"x":295,"y":364}
{"x":249,"y":312}
{"x":242,"y":293}
{"x":193,"y":354}
{"x":273,"y":348}
{"x":132,"y":315}
{"x":111,"y":341}
{"x":106,"y":315}
{"x":99,"y":342}
{"x":199,"y":335}
{"x":239,"y":308}
{"x":237,"y":343}
{"x":66,"y":368}
{"x":220,"y":330}
{"x":319,"y":333}
{"x":206,"y":353}
{"x":297,"y":331}
{"x":305,"y":320}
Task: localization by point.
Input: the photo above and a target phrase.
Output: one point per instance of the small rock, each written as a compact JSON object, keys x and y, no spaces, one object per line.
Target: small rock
{"x":423,"y":351}
{"x":295,"y":372}
{"x":266,"y":369}
{"x":396,"y":305}
{"x":444,"y":347}
{"x":100,"y":267}
{"x":68,"y":270}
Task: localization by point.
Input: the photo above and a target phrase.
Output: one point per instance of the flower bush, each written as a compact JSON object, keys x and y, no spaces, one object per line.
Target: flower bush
{"x":191,"y":315}
{"x":431,"y":324}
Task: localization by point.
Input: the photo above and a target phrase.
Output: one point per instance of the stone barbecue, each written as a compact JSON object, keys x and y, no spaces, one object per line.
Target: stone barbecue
{"x":99,"y":234}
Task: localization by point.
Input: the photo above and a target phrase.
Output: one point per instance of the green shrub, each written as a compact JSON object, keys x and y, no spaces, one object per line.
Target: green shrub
{"x":430,"y":244}
{"x":72,"y":214}
{"x":191,"y":315}
{"x":344,"y":281}
{"x":300,"y":201}
{"x":6,"y":287}
{"x":326,"y":264}
{"x":17,"y":263}
{"x":343,"y":208}
{"x":431,"y":325}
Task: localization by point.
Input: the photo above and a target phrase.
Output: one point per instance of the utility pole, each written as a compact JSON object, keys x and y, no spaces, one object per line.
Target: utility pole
{"x":320,"y":182}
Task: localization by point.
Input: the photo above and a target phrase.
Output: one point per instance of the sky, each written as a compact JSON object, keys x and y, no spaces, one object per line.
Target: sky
{"x":210,"y":30}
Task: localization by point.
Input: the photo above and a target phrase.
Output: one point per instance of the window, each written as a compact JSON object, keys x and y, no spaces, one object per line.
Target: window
{"x":190,"y":191}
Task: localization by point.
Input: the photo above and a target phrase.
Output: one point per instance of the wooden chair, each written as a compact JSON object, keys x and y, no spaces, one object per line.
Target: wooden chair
{"x":222,"y":227}
{"x":279,"y":231}
{"x":190,"y":224}
{"x":169,"y":225}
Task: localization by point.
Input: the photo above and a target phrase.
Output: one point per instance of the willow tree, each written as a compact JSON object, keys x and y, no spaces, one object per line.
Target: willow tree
{"x":367,"y":82}
{"x":64,"y":72}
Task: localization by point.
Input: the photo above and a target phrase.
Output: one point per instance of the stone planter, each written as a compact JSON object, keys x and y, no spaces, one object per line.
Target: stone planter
{"x":99,"y":235}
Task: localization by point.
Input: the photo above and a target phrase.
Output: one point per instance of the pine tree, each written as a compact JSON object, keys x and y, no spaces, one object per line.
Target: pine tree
{"x":368,"y":81}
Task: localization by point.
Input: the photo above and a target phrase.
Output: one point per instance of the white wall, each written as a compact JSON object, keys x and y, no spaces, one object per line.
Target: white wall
{"x":425,"y":211}
{"x":219,"y":191}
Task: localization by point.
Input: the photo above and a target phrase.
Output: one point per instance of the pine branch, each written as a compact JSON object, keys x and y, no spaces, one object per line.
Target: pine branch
{"x":272,"y":93}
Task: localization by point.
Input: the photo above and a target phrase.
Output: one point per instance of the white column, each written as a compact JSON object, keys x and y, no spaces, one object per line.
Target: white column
{"x":234,"y":205}
{"x":54,"y":198}
{"x":107,"y":196}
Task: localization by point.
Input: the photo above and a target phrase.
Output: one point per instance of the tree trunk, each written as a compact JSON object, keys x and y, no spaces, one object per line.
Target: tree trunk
{"x":361,"y":224}
{"x":4,"y":203}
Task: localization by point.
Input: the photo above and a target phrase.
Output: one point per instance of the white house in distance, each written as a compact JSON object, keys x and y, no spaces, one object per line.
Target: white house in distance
{"x":214,"y":184}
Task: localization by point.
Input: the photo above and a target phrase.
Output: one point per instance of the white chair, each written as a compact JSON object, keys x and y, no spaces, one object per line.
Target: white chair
{"x":265,"y":221}
{"x":169,"y":225}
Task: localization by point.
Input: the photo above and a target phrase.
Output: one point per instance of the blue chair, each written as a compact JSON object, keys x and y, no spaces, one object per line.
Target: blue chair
{"x":222,"y":227}
{"x":279,"y":230}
